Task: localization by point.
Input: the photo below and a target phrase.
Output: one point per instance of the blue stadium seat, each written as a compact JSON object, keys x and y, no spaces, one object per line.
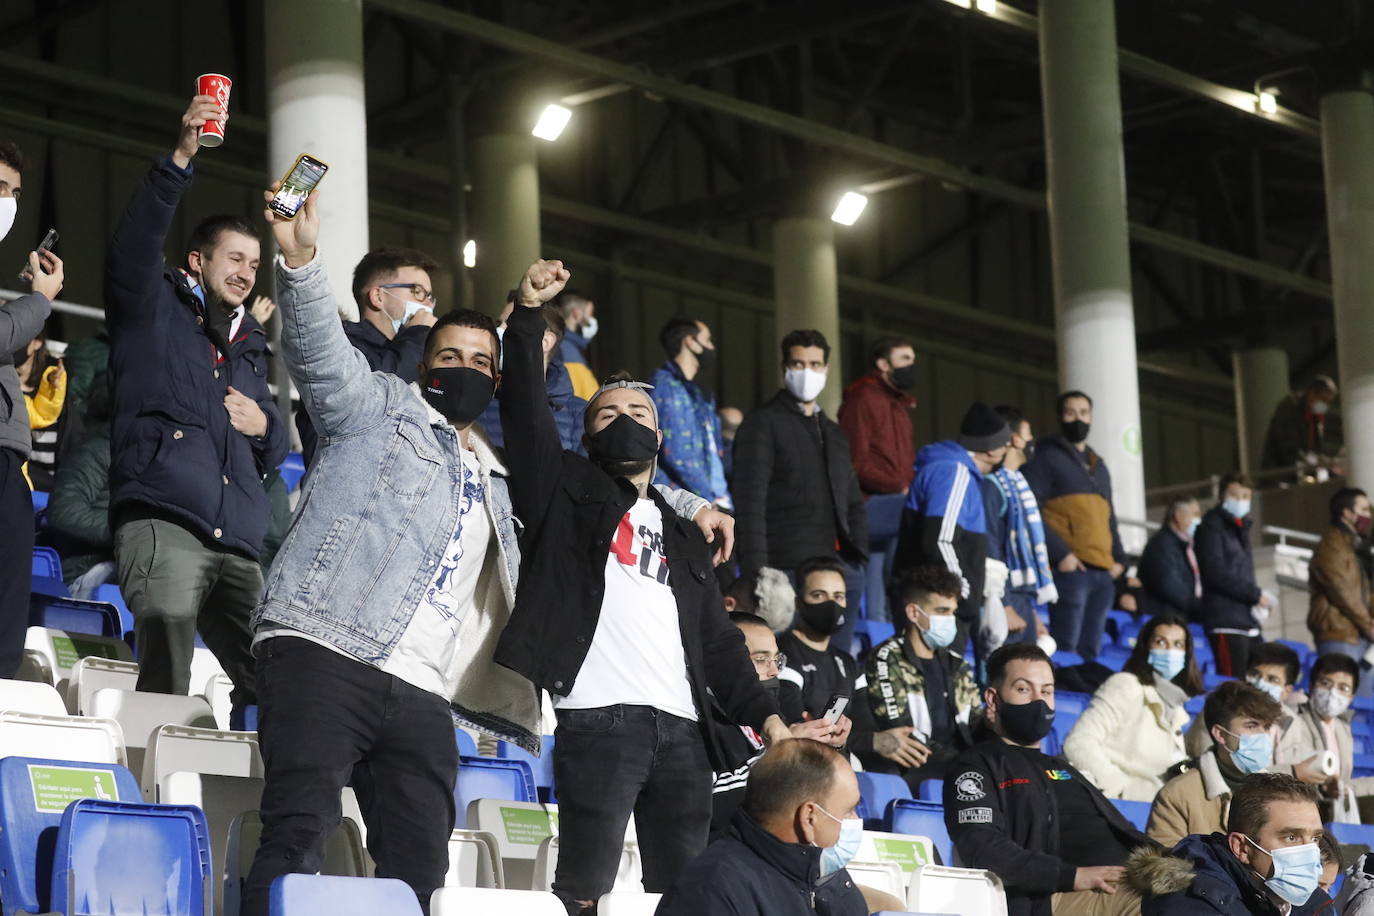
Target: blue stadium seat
{"x":1063,"y":659}
{"x":49,"y":587}
{"x":292,"y":470}
{"x":1193,"y":705}
{"x":541,"y":766}
{"x":47,"y":563}
{"x":1364,"y":762}
{"x":1114,"y":657}
{"x":121,"y":857}
{"x":1353,"y":834}
{"x":876,"y":790}
{"x":40,"y":500}
{"x":75,"y":616}
{"x":932,"y":790}
{"x":1053,"y":745}
{"x":110,"y":593}
{"x":918,"y":818}
{"x":875,"y":630}
{"x":1129,"y":632}
{"x":1116,"y":622}
{"x":485,"y":777}
{"x":33,"y":794}
{"x":1360,"y":726}
{"x":1069,"y":704}
{"x":1137,"y":812}
{"x":325,"y":895}
{"x":1213,"y":681}
{"x":467,"y":747}
{"x":1305,"y":652}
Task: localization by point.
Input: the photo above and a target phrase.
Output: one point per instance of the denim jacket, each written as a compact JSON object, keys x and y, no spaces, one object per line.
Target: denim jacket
{"x":377,"y":510}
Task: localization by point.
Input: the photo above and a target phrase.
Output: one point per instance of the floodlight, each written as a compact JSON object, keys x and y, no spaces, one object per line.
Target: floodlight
{"x":987,"y":6}
{"x":965,"y":4}
{"x":551,"y":122}
{"x":850,"y":207}
{"x":470,"y":253}
{"x":1268,"y":101}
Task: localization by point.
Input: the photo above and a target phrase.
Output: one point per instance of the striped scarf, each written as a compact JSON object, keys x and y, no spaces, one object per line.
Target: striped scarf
{"x":1027,"y":558}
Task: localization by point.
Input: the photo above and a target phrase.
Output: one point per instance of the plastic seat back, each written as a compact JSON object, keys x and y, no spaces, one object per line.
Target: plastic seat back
{"x":344,"y":856}
{"x":468,"y":901}
{"x":483,"y":777}
{"x":34,"y":793}
{"x":628,"y":903}
{"x":31,"y":696}
{"x":467,"y":745}
{"x":1137,"y":812}
{"x":59,"y":651}
{"x":141,"y":714}
{"x":61,"y":612}
{"x":94,"y":673}
{"x":24,"y":734}
{"x":520,"y":829}
{"x":876,"y":790}
{"x":918,"y":818}
{"x":907,"y":852}
{"x":474,"y":860}
{"x":966,"y":891}
{"x":328,"y":895}
{"x":884,"y":876}
{"x":123,"y":857}
{"x":541,"y":767}
{"x":176,"y":749}
{"x":629,"y":873}
{"x":47,"y":563}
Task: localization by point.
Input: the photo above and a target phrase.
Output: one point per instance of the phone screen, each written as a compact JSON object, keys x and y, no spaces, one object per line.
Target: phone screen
{"x":303,"y":178}
{"x":47,"y":244}
{"x":836,"y":708}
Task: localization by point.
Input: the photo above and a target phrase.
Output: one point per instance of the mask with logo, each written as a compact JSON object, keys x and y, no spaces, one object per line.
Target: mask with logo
{"x":804,"y":384}
{"x":9,"y":209}
{"x":1328,"y":703}
{"x":904,"y":377}
{"x":1297,"y":870}
{"x":1236,"y":508}
{"x":1274,"y":690}
{"x":1253,"y":752}
{"x":824,"y":617}
{"x":1168,"y":662}
{"x":940,"y":629}
{"x":457,"y":392}
{"x":1025,"y":723}
{"x":1075,"y":431}
{"x":411,"y":307}
{"x":589,"y":328}
{"x":834,"y":858}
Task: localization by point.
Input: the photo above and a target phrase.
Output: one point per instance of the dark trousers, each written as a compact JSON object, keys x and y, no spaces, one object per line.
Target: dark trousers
{"x":1232,"y":652}
{"x":616,"y":761}
{"x":176,"y":585}
{"x":324,"y":719}
{"x":16,"y":570}
{"x":1079,"y":617}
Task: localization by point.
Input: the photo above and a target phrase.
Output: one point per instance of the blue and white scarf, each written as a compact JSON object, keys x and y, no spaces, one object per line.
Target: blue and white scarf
{"x":1027,"y":557}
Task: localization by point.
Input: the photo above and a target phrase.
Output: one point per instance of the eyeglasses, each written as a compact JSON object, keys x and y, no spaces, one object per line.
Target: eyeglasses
{"x":1343,"y":689}
{"x":761,"y":660}
{"x":419,"y":292}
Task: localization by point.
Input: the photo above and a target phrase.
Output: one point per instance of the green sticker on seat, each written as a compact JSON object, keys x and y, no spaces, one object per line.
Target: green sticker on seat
{"x":527,"y":826}
{"x":68,"y":650}
{"x":54,"y":788}
{"x":909,"y":854}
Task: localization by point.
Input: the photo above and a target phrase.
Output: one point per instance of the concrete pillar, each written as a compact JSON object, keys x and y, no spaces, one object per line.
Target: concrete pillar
{"x":1091,"y":260}
{"x":1348,"y":163}
{"x":503,"y":214}
{"x":315,"y":105}
{"x":1261,"y":376}
{"x":806,"y":289}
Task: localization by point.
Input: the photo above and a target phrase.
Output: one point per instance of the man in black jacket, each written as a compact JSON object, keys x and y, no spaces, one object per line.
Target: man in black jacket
{"x":797,"y":495}
{"x":787,"y":847}
{"x":1168,"y":566}
{"x":617,"y":614}
{"x":1233,"y":604}
{"x":193,"y":429}
{"x":1036,"y":822}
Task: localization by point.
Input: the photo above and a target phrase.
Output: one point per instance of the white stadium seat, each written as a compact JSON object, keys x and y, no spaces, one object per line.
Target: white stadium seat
{"x":141,"y":714}
{"x":474,"y":860}
{"x":966,"y":891}
{"x":467,"y":901}
{"x":95,"y":673}
{"x":31,"y":696}
{"x":89,"y":740}
{"x":626,"y":903}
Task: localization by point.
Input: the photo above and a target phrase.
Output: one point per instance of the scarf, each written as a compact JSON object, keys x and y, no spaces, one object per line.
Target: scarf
{"x":1028,"y":559}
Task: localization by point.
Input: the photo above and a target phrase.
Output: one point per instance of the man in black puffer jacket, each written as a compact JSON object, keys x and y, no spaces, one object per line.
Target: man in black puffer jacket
{"x":1226,"y":563}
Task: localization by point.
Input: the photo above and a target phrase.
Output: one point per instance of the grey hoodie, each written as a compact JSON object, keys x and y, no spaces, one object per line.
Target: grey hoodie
{"x":20,"y":322}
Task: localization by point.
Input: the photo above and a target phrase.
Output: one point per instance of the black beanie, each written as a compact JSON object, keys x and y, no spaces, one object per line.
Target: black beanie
{"x":983,"y":429}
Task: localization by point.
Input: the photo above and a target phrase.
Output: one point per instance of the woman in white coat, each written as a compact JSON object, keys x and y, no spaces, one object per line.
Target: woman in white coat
{"x":1131,"y":734}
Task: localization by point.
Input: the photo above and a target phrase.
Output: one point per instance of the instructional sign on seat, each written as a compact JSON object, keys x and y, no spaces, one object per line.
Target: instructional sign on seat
{"x":528,"y":826}
{"x":54,"y":788}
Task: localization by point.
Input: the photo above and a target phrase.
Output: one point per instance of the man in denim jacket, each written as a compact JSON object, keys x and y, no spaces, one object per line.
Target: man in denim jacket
{"x":383,"y":606}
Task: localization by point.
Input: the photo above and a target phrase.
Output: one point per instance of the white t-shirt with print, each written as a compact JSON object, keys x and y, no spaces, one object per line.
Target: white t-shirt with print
{"x":636,"y":656}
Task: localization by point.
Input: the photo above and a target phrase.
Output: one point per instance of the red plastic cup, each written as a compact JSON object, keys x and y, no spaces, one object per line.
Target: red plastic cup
{"x":217,"y":85}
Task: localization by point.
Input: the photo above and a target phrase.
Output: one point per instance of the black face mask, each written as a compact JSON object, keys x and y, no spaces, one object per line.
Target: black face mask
{"x":771,"y":687}
{"x":824,"y":617}
{"x":1027,"y":723}
{"x":1075,"y":431}
{"x":623,"y":439}
{"x":457,"y":392}
{"x":904,"y":377}
{"x":1029,"y":449}
{"x":705,"y":359}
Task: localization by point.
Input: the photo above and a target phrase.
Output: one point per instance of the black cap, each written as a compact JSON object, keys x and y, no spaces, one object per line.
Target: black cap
{"x":983,"y":429}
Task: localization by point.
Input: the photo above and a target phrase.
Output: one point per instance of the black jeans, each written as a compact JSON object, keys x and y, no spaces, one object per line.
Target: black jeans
{"x":16,"y":570}
{"x":324,"y":719}
{"x":616,"y":761}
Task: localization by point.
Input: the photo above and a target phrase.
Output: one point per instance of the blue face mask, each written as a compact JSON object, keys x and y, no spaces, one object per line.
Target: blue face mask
{"x":1192,"y":527}
{"x":1236,"y":508}
{"x":940,"y":629}
{"x":1168,"y":662}
{"x":1254,"y":753}
{"x":1274,"y":690}
{"x":1296,"y":871}
{"x":834,"y":858}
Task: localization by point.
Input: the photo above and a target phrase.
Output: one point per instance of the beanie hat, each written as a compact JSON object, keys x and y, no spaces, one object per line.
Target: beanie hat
{"x":983,"y":429}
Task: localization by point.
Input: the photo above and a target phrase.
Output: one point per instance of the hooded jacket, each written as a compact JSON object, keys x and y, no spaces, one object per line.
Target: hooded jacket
{"x":20,"y":322}
{"x":1339,"y":609}
{"x":1074,"y":490}
{"x":877,"y":419}
{"x":944,"y":522}
{"x":1226,"y":562}
{"x":1200,"y":877}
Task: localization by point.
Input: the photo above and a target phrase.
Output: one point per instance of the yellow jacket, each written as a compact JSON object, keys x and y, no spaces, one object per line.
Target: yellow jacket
{"x":45,"y":404}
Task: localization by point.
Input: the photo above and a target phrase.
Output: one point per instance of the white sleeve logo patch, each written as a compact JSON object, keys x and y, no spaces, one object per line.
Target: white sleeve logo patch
{"x":969,"y":786}
{"x":975,"y":816}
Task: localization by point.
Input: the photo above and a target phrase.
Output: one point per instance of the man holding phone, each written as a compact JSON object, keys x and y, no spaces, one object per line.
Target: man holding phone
{"x":193,"y":430}
{"x":20,"y":321}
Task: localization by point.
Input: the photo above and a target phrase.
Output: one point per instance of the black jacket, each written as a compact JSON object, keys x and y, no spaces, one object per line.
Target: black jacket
{"x":750,"y":872}
{"x":400,"y":356}
{"x":1167,"y":577}
{"x":173,"y":451}
{"x":569,"y":509}
{"x":847,"y":678}
{"x":1200,"y":877}
{"x":795,"y":489}
{"x":1227,"y":564}
{"x":742,"y":748}
{"x":1001,"y":813}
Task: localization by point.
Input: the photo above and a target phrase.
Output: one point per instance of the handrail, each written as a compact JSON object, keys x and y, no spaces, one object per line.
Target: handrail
{"x":1285,"y":534}
{"x":60,"y":305}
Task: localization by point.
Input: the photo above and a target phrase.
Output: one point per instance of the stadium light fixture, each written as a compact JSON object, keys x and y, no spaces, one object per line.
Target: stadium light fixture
{"x":470,"y":253}
{"x":987,"y":6}
{"x":1267,"y":101}
{"x":850,"y":208}
{"x":551,"y":122}
{"x":962,"y":4}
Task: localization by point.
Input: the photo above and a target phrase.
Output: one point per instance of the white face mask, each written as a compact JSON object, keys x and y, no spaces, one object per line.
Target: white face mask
{"x":9,"y":208}
{"x":589,"y":328}
{"x":1320,"y":408}
{"x":804,"y":384}
{"x":1328,"y":703}
{"x":411,"y":307}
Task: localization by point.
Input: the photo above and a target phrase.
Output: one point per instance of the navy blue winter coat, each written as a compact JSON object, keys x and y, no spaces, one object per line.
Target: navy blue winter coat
{"x":1227,"y":564}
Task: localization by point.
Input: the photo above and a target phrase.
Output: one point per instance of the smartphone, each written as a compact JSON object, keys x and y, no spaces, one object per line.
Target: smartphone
{"x":47,"y":244}
{"x":835,"y":708}
{"x":305,"y":176}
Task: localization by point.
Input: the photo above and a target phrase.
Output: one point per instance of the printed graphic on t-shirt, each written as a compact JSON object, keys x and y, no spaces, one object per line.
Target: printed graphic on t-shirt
{"x":440,"y":594}
{"x":640,"y":548}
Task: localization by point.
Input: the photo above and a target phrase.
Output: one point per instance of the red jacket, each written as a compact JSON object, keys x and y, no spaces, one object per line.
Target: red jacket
{"x":877,"y":420}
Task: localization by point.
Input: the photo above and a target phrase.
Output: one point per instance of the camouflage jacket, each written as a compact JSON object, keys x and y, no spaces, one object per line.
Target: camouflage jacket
{"x":896,"y":685}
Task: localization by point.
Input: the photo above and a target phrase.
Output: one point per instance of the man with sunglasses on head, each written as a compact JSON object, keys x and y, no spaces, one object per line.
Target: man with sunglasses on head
{"x":394,"y":291}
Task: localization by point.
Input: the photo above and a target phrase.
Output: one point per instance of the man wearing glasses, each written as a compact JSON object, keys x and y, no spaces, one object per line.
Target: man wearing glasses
{"x":740,"y":742}
{"x":1321,"y":725}
{"x":395,"y":297}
